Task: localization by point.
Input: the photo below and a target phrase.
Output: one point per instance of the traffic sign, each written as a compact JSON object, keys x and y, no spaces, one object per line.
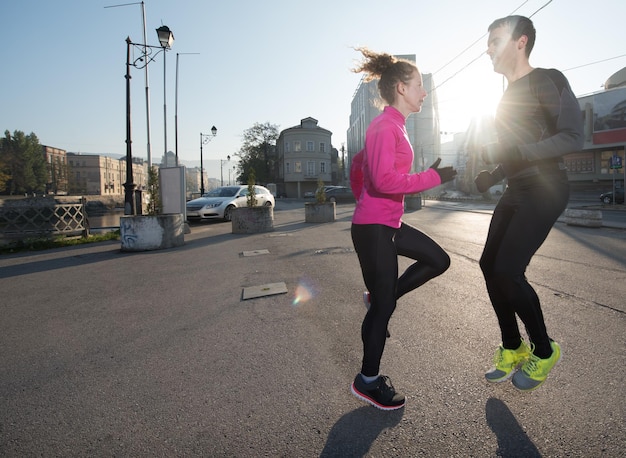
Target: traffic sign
{"x":615,"y":162}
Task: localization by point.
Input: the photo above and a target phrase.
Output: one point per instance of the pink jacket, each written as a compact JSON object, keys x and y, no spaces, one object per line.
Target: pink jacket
{"x":379,"y":174}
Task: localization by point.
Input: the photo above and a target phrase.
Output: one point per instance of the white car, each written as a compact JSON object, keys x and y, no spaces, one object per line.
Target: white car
{"x":219,"y":203}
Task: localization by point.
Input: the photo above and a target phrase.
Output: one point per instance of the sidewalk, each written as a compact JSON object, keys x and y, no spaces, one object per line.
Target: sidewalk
{"x":487,"y":206}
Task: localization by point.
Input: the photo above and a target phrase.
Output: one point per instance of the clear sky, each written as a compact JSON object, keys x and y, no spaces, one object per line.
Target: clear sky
{"x":277,"y":61}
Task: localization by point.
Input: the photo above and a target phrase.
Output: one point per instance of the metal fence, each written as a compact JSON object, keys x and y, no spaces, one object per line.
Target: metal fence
{"x":21,"y":221}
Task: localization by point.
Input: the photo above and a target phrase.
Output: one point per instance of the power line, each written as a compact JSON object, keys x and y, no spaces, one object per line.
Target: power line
{"x":482,"y":53}
{"x":593,"y":63}
{"x":472,"y":45}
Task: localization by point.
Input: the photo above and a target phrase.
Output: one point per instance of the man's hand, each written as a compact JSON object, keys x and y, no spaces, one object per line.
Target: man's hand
{"x":484,"y":180}
{"x":445,"y":173}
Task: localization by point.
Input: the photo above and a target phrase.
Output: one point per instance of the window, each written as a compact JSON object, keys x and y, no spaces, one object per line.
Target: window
{"x":310,"y":146}
{"x":605,"y":162}
{"x":287,"y":167}
{"x":322,"y":147}
{"x":298,"y":167}
{"x":297,"y":146}
{"x":310,"y":168}
{"x":322,"y":167}
{"x":286,"y":146}
{"x":579,"y":162}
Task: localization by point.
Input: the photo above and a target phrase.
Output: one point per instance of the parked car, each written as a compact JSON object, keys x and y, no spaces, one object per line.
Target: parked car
{"x":312,"y":194}
{"x":220,"y":202}
{"x":340,"y":194}
{"x":607,"y":197}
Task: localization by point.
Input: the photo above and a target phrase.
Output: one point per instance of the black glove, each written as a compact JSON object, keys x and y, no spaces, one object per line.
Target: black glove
{"x":485,"y":179}
{"x":496,"y":153}
{"x":445,"y":173}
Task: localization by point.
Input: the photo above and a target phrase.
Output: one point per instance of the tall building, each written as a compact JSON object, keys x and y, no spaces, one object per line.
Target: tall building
{"x":422,"y":127}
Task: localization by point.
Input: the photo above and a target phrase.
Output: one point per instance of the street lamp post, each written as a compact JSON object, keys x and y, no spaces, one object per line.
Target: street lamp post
{"x":205,"y":138}
{"x":166,"y":38}
{"x":222,"y":169}
{"x":129,"y":186}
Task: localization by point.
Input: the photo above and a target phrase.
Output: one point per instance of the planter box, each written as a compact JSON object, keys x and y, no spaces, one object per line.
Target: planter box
{"x":151,"y":232}
{"x":250,"y":220}
{"x":585,"y":218}
{"x":319,"y":213}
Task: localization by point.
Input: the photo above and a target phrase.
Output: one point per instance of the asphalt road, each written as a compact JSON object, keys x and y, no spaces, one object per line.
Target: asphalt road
{"x":107,"y":353}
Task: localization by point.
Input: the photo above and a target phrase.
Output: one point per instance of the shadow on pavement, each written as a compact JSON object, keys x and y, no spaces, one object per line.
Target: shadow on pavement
{"x":512,"y":440}
{"x":356,"y":431}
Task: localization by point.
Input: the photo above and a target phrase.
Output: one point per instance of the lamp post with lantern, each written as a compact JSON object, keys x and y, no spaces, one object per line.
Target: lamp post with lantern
{"x":140,"y":62}
{"x":166,"y":38}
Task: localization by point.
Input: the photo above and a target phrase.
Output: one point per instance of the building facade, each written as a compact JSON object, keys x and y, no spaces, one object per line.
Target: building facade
{"x":602,"y":160}
{"x":305,"y":156}
{"x":58,"y":170}
{"x":93,"y":174}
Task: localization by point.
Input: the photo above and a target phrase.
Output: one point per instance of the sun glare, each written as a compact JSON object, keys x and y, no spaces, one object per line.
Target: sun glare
{"x":471,"y":95}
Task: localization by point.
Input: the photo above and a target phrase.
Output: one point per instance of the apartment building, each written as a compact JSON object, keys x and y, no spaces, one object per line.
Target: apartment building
{"x":305,"y":155}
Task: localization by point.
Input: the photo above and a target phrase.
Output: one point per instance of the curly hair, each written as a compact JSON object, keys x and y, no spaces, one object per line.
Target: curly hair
{"x":388,"y":68}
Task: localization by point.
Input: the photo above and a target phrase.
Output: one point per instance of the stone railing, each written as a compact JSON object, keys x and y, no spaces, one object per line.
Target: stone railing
{"x":42,"y":217}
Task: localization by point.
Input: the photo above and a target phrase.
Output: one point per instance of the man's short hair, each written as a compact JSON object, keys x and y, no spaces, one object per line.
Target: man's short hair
{"x":519,"y":25}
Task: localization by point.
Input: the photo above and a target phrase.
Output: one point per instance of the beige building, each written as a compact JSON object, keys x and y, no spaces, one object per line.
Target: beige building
{"x":58,"y":170}
{"x":93,"y":174}
{"x":305,"y":155}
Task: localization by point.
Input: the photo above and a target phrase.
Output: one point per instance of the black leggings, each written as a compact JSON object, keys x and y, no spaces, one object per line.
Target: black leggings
{"x":378,"y":247}
{"x":521,"y":222}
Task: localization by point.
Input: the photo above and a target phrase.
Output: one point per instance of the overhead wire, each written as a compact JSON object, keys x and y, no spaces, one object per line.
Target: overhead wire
{"x":482,"y":53}
{"x":472,"y":45}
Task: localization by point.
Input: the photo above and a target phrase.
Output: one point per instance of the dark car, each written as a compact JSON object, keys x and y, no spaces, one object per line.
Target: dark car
{"x":340,"y":194}
{"x":607,"y":197}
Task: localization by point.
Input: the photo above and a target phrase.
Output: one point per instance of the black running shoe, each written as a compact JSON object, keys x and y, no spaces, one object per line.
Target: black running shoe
{"x":380,"y":393}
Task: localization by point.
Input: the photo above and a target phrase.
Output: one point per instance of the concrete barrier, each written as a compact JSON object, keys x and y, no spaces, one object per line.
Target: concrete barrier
{"x":320,"y":212}
{"x":251,"y":220}
{"x":581,"y":217}
{"x":145,"y":232}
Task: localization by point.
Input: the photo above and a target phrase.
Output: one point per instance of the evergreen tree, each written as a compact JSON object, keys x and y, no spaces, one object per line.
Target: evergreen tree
{"x":22,"y":160}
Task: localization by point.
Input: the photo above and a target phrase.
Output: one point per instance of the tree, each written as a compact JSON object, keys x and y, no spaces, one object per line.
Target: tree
{"x":258,"y":152}
{"x":22,"y":160}
{"x":4,"y":171}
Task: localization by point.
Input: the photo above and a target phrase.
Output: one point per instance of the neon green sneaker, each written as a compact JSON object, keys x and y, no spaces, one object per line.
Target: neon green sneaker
{"x":506,"y":362}
{"x":535,"y":371}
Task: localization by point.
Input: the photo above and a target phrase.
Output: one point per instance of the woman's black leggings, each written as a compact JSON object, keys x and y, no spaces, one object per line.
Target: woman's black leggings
{"x":378,"y":248}
{"x":521,"y":222}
